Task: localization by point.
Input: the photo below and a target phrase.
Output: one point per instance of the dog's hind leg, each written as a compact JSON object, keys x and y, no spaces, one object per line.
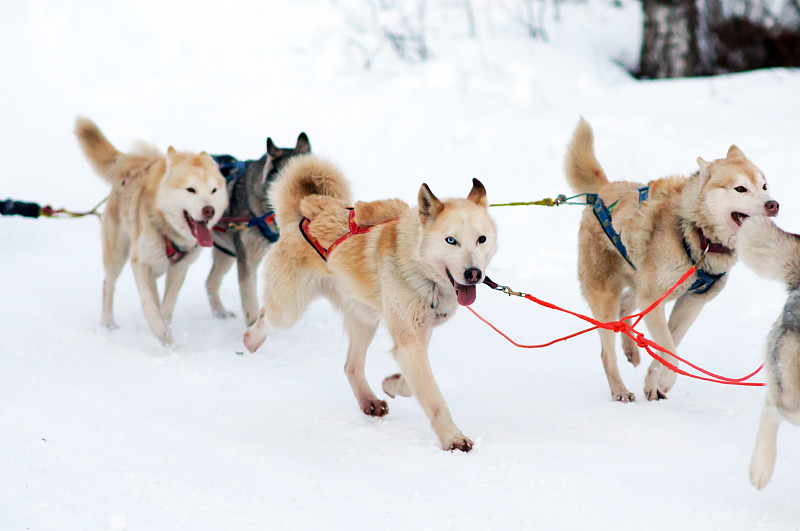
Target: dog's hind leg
{"x":116,"y":247}
{"x":605,"y":307}
{"x":222,"y":263}
{"x":289,"y":288}
{"x":627,"y":304}
{"x":763,"y":461}
{"x":360,"y":335}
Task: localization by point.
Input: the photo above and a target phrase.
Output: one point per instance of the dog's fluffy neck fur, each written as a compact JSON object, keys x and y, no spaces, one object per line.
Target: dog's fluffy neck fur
{"x":693,"y":218}
{"x":432,"y":287}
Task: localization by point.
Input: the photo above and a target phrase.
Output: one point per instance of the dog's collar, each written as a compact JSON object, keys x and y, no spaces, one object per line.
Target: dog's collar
{"x":711,"y":247}
{"x":174,"y":253}
{"x":705,"y":280}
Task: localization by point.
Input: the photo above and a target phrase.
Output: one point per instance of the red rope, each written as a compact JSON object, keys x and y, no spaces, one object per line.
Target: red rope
{"x":629,"y":330}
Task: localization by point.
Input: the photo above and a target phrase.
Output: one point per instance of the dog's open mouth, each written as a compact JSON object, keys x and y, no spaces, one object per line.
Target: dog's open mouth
{"x":199,"y":230}
{"x":465,"y":294}
{"x":738,"y":217}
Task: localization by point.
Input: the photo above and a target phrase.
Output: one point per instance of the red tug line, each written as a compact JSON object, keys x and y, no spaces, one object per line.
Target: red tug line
{"x":628,"y":329}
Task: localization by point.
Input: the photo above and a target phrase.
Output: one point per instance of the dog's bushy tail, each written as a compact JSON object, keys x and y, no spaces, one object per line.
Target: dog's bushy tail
{"x":769,"y":251}
{"x":101,"y":153}
{"x":303,"y":176}
{"x":584,"y":173}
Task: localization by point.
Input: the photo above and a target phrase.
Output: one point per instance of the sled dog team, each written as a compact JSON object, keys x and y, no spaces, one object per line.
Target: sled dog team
{"x":411,"y":266}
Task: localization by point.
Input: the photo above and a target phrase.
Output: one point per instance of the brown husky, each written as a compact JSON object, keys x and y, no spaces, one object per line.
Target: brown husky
{"x":685,"y":221}
{"x":160,"y":211}
{"x":411,"y":272}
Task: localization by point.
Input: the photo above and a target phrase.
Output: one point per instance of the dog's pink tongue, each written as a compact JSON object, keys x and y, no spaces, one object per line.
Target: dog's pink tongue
{"x":466,"y":294}
{"x":202,"y":234}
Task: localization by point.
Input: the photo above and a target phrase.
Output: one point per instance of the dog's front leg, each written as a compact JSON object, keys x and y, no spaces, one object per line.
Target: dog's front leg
{"x":176,"y":274}
{"x":411,"y":350}
{"x":146,"y":284}
{"x":656,"y":322}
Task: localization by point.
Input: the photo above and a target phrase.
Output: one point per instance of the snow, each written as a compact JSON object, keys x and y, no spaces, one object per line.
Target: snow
{"x":108,"y":430}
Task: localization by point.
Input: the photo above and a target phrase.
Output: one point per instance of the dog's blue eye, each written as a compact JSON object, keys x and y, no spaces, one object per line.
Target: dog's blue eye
{"x":191,"y":190}
{"x":481,"y":239}
{"x":740,"y":189}
{"x":451,"y":240}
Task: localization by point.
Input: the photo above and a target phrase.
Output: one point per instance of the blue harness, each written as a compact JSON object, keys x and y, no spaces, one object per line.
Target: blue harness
{"x":603,"y":215}
{"x":232,"y":169}
{"x":705,"y":280}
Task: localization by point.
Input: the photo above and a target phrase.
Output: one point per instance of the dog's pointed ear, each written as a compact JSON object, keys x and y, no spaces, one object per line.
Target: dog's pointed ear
{"x":171,"y":152}
{"x":734,"y":152}
{"x":272,"y":150}
{"x":478,"y":193}
{"x":703,"y":164}
{"x":429,"y":205}
{"x":303,"y":146}
{"x":204,"y":154}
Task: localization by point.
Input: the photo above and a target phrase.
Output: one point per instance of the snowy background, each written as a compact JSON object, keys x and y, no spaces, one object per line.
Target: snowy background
{"x":108,"y":430}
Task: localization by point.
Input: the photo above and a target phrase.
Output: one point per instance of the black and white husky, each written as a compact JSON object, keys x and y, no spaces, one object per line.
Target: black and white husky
{"x":775,"y":254}
{"x":247,"y":228}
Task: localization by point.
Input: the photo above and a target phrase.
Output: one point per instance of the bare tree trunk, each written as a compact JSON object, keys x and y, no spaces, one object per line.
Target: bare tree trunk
{"x":669,"y":46}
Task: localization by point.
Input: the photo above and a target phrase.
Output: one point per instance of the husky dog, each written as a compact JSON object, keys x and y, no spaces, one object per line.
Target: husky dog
{"x":685,"y":221}
{"x":247,"y":183}
{"x":775,"y":254}
{"x":160,"y":211}
{"x":411,"y":272}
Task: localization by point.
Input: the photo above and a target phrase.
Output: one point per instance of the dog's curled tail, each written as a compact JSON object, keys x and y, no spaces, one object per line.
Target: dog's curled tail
{"x":584,"y":173}
{"x":100,"y":152}
{"x":769,"y":251}
{"x":303,"y":176}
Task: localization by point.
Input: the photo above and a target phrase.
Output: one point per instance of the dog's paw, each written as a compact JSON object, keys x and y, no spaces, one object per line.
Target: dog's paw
{"x":657,"y":383}
{"x":461,"y":443}
{"x":374,"y":407}
{"x":654,"y":393}
{"x":166,"y":339}
{"x":222,"y":313}
{"x":253,"y":339}
{"x":396,"y":385}
{"x":626,"y":396}
{"x":631,"y":351}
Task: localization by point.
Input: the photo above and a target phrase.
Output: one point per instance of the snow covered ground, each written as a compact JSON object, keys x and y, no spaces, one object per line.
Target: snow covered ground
{"x":104,"y":429}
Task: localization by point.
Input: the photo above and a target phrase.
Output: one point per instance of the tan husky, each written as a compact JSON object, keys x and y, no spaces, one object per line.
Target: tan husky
{"x":685,"y":221}
{"x":411,"y":272}
{"x":775,"y":254}
{"x":160,"y":211}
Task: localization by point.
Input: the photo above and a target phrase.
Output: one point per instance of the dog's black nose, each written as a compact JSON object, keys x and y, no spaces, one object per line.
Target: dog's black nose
{"x":208,"y":212}
{"x":473,"y":275}
{"x":772,"y":208}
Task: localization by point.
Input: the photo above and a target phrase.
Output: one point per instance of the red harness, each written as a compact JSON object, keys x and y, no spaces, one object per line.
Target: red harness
{"x":354,"y":229}
{"x":174,"y":253}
